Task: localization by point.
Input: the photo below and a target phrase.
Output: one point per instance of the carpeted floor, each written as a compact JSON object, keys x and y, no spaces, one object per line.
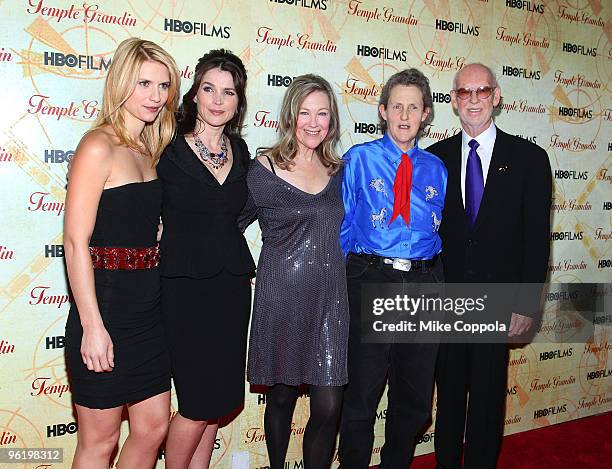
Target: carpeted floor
{"x":580,"y":444}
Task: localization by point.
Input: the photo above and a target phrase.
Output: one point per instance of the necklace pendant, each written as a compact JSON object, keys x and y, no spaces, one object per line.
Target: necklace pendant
{"x":216,"y":160}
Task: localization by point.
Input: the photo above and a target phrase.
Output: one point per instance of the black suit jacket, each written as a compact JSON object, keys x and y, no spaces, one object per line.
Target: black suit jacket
{"x":201,"y":235}
{"x":510,"y":242}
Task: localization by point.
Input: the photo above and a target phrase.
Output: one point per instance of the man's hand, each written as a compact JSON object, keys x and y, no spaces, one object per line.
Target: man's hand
{"x":519,"y":324}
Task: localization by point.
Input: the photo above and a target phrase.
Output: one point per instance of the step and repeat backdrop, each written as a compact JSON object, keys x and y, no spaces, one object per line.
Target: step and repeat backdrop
{"x":553,"y":59}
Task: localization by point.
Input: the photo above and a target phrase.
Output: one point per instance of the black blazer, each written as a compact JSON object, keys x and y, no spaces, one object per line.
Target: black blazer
{"x":201,"y":235}
{"x":511,"y":239}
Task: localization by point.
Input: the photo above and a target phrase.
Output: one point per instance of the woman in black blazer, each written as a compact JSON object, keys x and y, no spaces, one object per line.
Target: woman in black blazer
{"x":206,"y":265}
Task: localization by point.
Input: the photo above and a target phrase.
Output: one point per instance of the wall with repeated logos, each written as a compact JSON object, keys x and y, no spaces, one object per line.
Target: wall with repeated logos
{"x":554,"y":63}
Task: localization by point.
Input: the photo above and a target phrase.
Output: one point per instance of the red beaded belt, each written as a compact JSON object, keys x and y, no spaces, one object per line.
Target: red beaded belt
{"x":110,"y":258}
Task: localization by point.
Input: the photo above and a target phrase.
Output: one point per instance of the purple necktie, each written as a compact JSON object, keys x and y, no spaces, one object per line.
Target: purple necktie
{"x":474,"y":184}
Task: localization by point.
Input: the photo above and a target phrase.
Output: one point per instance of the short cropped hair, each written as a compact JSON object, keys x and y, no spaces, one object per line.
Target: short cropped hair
{"x":492,"y":75}
{"x":408,"y":77}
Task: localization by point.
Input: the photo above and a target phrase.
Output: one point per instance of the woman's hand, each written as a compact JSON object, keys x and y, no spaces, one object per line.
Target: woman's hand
{"x":90,"y":169}
{"x":97,"y":349}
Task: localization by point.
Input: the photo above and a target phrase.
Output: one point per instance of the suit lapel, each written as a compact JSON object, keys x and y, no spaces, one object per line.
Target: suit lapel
{"x":238,"y":171}
{"x":499,"y":164}
{"x":183,"y":156}
{"x":454,"y":199}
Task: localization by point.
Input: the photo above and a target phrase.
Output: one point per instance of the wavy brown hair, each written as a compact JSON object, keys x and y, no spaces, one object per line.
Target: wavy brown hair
{"x":285,"y":150}
{"x":120,"y":83}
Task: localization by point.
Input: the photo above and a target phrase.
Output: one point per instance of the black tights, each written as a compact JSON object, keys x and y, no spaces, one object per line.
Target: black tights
{"x":320,"y":434}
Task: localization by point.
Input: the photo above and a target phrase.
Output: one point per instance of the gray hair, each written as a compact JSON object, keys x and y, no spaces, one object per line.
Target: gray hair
{"x":492,"y":75}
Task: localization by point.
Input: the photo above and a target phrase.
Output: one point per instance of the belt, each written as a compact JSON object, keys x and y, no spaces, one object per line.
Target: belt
{"x":110,"y":258}
{"x":397,"y":263}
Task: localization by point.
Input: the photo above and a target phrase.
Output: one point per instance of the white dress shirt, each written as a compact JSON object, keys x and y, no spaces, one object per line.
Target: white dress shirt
{"x":485,"y":140}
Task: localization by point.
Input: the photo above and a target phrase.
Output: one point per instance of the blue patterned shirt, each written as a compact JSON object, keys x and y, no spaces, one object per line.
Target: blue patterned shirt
{"x":367,"y":191}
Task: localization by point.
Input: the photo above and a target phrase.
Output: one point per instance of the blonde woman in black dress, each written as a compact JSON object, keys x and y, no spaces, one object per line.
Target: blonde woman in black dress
{"x":115,"y":344}
{"x":206,"y":264}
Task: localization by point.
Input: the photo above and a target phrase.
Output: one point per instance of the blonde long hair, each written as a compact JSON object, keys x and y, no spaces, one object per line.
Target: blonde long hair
{"x":285,"y":150}
{"x":119,"y":86}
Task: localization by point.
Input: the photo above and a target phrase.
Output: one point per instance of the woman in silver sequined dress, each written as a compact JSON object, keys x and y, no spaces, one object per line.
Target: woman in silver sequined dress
{"x":299,"y":329}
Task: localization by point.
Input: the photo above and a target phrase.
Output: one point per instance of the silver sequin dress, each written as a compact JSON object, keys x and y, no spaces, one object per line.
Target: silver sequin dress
{"x":300,"y":322}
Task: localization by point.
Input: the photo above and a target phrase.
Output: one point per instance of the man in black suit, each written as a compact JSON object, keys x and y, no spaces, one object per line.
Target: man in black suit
{"x":495,"y":228}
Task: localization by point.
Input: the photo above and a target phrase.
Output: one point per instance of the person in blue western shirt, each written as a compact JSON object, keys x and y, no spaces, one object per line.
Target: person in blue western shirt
{"x":393,"y":195}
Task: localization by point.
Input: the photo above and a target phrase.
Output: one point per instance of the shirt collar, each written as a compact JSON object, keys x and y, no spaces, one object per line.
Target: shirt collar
{"x":394,"y":153}
{"x":485,"y":138}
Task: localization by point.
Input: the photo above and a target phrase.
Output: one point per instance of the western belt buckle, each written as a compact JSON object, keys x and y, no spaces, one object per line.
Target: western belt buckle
{"x":402,"y":264}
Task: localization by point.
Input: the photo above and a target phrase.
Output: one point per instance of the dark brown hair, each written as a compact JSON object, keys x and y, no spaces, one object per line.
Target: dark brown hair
{"x":225,"y":60}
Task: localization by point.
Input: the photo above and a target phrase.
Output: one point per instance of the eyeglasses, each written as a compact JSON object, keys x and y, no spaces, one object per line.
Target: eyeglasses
{"x":483,"y":92}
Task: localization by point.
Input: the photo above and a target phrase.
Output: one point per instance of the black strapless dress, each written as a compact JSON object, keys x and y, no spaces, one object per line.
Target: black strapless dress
{"x":129,"y":303}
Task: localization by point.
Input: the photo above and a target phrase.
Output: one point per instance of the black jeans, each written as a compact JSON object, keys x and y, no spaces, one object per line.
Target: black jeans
{"x":409,"y":369}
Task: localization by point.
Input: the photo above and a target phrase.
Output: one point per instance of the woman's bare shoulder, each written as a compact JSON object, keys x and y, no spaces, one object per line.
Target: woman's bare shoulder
{"x":94,"y":153}
{"x":98,"y":143}
{"x":265,"y":160}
